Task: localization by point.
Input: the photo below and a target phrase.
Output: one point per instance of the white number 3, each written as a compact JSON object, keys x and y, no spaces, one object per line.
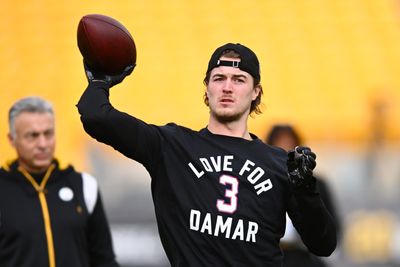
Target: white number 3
{"x":229,"y":207}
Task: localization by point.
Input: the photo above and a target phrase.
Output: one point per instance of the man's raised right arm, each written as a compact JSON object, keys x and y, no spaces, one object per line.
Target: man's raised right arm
{"x":108,"y":125}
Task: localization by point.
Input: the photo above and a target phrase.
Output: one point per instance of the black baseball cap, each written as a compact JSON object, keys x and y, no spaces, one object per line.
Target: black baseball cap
{"x":248,"y":59}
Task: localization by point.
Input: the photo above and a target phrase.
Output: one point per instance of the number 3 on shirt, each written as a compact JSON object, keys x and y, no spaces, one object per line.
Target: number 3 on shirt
{"x":231,"y":193}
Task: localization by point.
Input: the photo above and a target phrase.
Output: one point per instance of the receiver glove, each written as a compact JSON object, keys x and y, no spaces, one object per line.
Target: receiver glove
{"x":301,"y":163}
{"x":111,"y":80}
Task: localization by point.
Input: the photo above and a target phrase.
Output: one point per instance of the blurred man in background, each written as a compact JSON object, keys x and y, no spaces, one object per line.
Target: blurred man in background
{"x":49,"y":216}
{"x":295,"y":253}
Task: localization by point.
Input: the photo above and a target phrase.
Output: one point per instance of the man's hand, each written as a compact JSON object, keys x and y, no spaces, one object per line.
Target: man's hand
{"x":301,"y":163}
{"x":111,"y":80}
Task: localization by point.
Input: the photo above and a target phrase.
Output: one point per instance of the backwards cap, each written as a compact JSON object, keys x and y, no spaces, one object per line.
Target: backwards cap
{"x":248,"y":59}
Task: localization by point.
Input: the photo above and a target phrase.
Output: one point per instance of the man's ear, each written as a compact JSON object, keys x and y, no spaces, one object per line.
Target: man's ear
{"x":257,"y":91}
{"x":11,"y":139}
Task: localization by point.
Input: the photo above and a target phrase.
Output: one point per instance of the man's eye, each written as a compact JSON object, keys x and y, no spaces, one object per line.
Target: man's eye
{"x":31,"y":136}
{"x":49,"y":133}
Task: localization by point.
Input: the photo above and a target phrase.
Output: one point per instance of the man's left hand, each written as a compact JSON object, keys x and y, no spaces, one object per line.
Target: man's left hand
{"x":301,"y":163}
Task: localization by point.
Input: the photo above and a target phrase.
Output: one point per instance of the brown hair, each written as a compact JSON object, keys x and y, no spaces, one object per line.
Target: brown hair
{"x":282,"y":129}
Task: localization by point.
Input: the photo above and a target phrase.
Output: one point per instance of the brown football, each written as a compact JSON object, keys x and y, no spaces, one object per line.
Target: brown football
{"x":105,"y":44}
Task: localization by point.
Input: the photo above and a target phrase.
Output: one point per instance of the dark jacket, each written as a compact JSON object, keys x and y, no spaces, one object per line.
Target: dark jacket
{"x":61,"y":225}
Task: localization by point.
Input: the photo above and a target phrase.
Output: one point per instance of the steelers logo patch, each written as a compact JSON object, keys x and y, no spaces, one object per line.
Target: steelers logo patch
{"x":66,"y":194}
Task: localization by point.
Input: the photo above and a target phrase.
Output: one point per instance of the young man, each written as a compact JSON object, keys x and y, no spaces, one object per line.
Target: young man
{"x":220,"y":194}
{"x":49,"y":216}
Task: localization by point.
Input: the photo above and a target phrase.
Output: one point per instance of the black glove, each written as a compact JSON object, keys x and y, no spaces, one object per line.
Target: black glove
{"x":301,"y":163}
{"x":111,"y":80}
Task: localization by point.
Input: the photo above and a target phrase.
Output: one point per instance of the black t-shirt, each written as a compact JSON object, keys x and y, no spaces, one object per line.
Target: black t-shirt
{"x":219,"y":200}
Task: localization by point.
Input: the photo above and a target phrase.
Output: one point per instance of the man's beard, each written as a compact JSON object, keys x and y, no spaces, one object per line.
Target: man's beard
{"x":227,"y":117}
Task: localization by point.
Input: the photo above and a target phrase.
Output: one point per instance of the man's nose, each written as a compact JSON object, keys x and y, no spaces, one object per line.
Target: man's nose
{"x":42,"y":141}
{"x":227,"y":85}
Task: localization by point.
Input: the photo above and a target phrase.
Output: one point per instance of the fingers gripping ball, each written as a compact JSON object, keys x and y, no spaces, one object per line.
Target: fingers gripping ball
{"x":110,"y":80}
{"x":105,"y":44}
{"x":301,"y":163}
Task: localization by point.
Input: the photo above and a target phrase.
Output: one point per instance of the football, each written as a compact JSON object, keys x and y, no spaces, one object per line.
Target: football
{"x":105,"y":44}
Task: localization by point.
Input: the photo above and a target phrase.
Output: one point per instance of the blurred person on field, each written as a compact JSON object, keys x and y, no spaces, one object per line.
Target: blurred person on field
{"x":49,"y":216}
{"x":296,"y":254}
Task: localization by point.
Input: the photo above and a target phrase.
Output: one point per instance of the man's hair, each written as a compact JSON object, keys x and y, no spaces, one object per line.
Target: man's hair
{"x":32,"y":104}
{"x":255,"y":104}
{"x":283,"y":129}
